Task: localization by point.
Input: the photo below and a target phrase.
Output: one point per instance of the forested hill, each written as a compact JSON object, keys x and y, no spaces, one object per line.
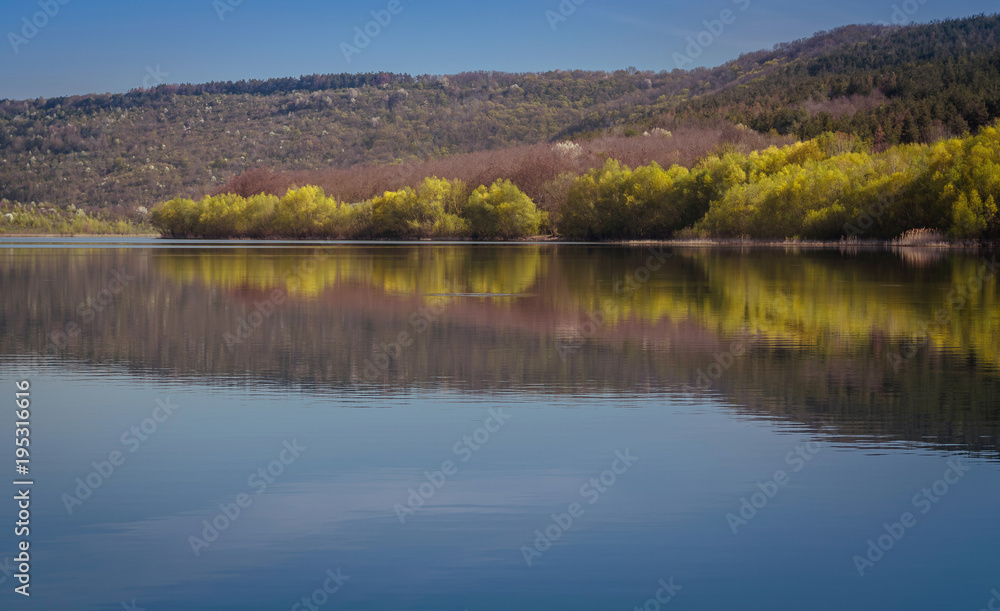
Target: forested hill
{"x":909,"y":85}
{"x":117,"y":152}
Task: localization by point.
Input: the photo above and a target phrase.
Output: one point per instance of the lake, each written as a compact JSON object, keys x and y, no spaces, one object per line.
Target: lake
{"x":484,"y":427}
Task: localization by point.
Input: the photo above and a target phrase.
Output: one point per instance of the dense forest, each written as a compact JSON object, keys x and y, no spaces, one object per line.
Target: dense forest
{"x":357,"y":136}
{"x":828,"y":188}
{"x":912,"y":85}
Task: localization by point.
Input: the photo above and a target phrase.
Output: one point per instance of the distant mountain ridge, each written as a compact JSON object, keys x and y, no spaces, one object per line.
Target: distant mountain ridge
{"x":116,"y":152}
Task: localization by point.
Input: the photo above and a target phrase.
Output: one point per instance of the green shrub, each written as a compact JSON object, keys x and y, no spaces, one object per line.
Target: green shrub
{"x":431,"y":210}
{"x":17,"y":218}
{"x":614,"y":202}
{"x":302,"y":213}
{"x":951,"y":187}
{"x":503,"y":212}
{"x":176,"y":218}
{"x":230,"y":215}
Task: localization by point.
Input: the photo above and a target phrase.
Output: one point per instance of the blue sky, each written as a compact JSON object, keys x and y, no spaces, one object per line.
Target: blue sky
{"x":116,"y":45}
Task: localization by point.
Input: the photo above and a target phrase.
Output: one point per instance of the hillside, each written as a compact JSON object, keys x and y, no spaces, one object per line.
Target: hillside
{"x":914,"y":84}
{"x":117,"y":152}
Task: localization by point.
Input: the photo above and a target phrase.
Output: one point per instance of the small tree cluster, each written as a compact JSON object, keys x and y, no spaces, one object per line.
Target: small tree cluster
{"x":437,"y":208}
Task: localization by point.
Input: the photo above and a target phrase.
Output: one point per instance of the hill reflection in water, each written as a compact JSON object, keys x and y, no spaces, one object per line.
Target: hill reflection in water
{"x":876,"y":346}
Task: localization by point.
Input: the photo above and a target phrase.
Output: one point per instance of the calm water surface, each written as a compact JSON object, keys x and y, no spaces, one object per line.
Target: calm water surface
{"x":478,"y":427}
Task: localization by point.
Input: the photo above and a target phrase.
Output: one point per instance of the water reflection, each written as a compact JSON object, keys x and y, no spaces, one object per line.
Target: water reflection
{"x":833,"y":338}
{"x":711,"y":367}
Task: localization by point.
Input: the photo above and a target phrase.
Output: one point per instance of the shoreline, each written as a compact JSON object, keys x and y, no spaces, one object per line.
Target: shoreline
{"x":80,"y":235}
{"x":812,"y":244}
{"x":679,"y":243}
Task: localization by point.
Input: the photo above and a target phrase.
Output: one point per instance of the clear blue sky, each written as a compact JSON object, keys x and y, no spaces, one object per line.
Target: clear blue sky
{"x":116,"y":45}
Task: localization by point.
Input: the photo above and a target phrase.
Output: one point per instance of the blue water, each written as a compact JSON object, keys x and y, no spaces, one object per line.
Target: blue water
{"x":346,"y":460}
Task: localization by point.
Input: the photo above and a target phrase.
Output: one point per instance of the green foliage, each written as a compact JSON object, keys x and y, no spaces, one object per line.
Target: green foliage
{"x":34,"y":219}
{"x":951,"y":186}
{"x":227,"y":214}
{"x":503,"y":212}
{"x":902,"y":85}
{"x":437,"y":208}
{"x":615,"y":202}
{"x":452,"y":195}
{"x":432,"y":209}
{"x":971,"y":216}
{"x":177,"y":218}
{"x":798,"y":191}
{"x":301,"y":213}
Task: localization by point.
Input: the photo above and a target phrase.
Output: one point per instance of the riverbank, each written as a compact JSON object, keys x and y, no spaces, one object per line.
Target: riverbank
{"x":78,"y":235}
{"x":960,"y":245}
{"x":842,"y":245}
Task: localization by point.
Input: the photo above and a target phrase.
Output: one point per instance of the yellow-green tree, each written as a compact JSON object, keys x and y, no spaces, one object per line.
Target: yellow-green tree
{"x":503,"y":211}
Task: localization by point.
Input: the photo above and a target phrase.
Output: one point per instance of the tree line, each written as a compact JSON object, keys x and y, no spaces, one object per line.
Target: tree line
{"x":831,"y":187}
{"x":435,"y":209}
